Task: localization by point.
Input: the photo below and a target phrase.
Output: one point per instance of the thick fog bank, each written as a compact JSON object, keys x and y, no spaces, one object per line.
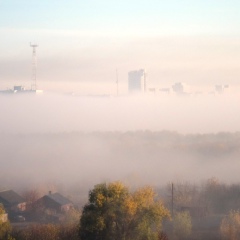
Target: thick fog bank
{"x":80,"y":141}
{"x":79,"y":160}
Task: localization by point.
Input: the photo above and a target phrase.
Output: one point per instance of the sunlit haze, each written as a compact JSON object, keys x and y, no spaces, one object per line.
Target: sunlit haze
{"x":86,"y":127}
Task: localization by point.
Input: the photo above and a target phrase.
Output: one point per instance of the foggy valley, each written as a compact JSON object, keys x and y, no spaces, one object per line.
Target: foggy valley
{"x":74,"y":142}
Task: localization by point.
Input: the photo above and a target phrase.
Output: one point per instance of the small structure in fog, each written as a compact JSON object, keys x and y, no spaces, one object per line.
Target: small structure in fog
{"x":165,"y":90}
{"x":221,"y":88}
{"x":180,"y":88}
{"x":20,"y":89}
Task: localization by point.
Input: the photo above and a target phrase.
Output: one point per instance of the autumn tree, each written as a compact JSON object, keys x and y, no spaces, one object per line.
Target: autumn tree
{"x":113,"y":212}
{"x":5,"y":227}
{"x":230,"y":226}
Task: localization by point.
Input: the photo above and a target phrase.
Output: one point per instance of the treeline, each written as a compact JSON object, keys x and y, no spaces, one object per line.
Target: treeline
{"x":209,"y":145}
{"x":211,"y":197}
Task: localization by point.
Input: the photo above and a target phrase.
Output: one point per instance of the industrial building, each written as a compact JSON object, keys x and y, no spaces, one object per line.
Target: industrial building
{"x":137,"y":81}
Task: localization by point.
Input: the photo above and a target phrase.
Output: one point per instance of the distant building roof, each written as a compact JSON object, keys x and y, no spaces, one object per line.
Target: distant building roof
{"x":10,"y":197}
{"x":58,"y":198}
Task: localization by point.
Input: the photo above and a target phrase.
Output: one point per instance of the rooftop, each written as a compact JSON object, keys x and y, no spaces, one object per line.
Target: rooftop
{"x":10,"y":197}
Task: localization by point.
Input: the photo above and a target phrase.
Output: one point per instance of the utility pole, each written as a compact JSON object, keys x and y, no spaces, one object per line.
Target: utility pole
{"x":34,"y":66}
{"x":172,"y":199}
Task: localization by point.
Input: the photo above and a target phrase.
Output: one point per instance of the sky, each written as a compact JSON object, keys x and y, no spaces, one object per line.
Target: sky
{"x":82,"y":43}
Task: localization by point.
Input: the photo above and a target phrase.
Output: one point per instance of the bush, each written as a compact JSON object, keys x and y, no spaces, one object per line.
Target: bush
{"x":182,"y":225}
{"x":47,"y":232}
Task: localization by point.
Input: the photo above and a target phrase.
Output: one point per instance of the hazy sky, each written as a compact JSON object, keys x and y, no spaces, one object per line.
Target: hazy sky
{"x":81,"y":43}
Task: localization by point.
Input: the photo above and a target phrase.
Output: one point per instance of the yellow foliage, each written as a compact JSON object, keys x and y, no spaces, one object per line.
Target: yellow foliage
{"x":117,"y":189}
{"x":130,"y":206}
{"x":2,"y":210}
{"x":100,"y":199}
{"x":144,"y":197}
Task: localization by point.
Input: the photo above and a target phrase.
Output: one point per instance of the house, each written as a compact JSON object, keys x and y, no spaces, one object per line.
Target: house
{"x":12,"y":202}
{"x":55,"y":202}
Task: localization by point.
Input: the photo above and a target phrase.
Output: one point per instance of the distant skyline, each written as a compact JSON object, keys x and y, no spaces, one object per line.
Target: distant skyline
{"x":81,"y":43}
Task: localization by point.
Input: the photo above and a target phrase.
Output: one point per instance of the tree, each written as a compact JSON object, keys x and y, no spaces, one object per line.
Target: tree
{"x":114,"y":213}
{"x":230,"y":226}
{"x":182,"y":225}
{"x":185,"y":193}
{"x":5,"y":227}
{"x":31,"y":197}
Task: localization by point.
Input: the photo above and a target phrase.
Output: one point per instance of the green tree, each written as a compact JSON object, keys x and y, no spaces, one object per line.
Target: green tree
{"x":114,"y":213}
{"x":230,"y":226}
{"x":182,"y":225}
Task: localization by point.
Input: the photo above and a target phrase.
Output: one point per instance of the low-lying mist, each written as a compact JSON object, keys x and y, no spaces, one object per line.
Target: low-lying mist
{"x":76,"y":142}
{"x":65,"y":113}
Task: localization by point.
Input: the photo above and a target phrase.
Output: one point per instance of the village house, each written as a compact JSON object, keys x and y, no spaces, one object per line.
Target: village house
{"x":55,"y":202}
{"x":52,"y":207}
{"x":12,"y":202}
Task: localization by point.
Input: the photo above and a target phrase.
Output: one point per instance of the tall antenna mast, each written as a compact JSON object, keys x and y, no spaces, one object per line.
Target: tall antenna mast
{"x":34,"y":66}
